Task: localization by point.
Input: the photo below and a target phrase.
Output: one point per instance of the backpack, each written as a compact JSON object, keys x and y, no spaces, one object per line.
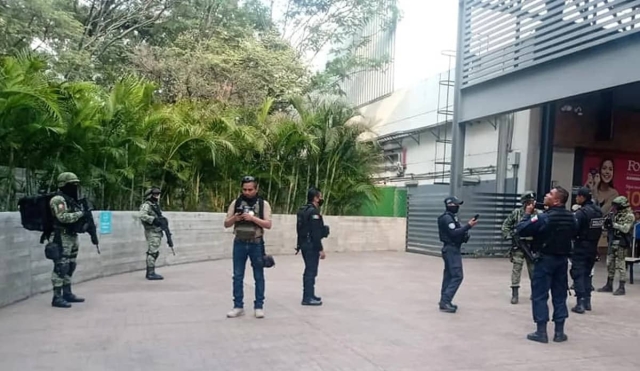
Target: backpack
{"x":260,"y":206}
{"x":35,"y":214}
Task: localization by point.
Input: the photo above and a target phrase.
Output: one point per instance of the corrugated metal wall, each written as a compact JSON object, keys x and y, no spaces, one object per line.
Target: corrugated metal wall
{"x":425,"y":204}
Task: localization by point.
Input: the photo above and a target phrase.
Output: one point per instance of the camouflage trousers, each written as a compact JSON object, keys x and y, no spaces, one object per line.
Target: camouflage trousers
{"x":153,"y":246}
{"x":518,"y":259}
{"x":616,"y":263}
{"x":63,"y":269}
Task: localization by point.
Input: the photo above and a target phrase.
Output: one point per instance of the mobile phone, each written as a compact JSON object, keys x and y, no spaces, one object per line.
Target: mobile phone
{"x":475,"y":217}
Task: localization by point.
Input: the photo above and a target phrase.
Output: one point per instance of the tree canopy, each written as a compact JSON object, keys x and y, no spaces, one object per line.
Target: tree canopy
{"x":188,"y":95}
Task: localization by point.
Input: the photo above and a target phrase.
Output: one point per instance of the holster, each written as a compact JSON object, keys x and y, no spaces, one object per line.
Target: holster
{"x":53,"y":249}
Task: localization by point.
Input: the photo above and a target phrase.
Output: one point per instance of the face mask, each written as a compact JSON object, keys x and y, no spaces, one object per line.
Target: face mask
{"x":70,"y":190}
{"x":249,"y":200}
{"x":320,"y":202}
{"x":453,"y":209}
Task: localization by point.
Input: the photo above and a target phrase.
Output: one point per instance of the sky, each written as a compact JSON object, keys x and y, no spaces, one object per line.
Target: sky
{"x":427,"y":28}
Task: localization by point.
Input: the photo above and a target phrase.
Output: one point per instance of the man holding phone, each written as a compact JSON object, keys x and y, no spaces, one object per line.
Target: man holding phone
{"x":453,"y":235}
{"x":249,"y":215}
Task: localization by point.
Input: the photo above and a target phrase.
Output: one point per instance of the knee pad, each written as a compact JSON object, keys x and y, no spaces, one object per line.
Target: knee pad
{"x":154,"y":255}
{"x":72,"y":268}
{"x":62,"y":269}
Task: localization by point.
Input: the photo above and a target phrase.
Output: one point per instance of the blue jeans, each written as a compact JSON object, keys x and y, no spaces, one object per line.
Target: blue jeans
{"x":254,"y":251}
{"x":550,"y":273}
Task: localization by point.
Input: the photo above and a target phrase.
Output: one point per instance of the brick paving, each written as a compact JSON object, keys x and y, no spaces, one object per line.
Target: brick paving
{"x":380,"y":313}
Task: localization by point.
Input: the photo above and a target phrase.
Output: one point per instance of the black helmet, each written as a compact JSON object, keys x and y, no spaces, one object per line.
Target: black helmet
{"x":268,"y":261}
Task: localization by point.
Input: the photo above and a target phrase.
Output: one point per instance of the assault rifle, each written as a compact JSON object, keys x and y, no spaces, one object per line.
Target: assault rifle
{"x":88,"y":224}
{"x":517,"y":242}
{"x":163,"y":223}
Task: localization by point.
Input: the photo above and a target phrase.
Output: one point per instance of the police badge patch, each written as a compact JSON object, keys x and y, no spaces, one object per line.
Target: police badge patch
{"x":315,"y":216}
{"x":452,"y":226}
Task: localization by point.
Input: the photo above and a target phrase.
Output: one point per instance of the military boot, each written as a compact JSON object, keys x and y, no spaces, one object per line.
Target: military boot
{"x":541,"y":333}
{"x":514,"y":295}
{"x":620,"y":290}
{"x":152,"y":276}
{"x":608,"y":287}
{"x":58,"y":301}
{"x":587,"y":303}
{"x":311,"y":301}
{"x":579,"y":308}
{"x":559,"y":335}
{"x":69,"y":297}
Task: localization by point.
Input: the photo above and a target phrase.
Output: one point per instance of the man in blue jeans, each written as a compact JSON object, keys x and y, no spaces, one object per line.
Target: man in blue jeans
{"x":249,"y":215}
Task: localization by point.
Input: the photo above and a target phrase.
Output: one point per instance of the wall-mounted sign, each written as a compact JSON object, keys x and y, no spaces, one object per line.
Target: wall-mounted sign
{"x":105,"y":222}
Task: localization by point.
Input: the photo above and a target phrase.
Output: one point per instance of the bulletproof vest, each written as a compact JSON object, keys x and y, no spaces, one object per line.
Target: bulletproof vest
{"x":303,"y":225}
{"x":443,"y":227}
{"x":73,"y":228}
{"x":592,"y":229}
{"x":623,"y":239}
{"x":560,"y":231}
{"x":247,"y":230}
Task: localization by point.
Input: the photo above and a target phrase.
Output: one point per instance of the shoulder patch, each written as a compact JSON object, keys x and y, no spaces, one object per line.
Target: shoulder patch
{"x":452,"y":226}
{"x":315,"y":216}
{"x":534,"y":219}
{"x":61,"y":206}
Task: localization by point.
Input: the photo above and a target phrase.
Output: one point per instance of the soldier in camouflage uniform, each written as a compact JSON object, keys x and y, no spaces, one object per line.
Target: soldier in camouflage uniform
{"x":67,"y":214}
{"x":516,"y":255}
{"x":619,"y":227}
{"x":152,"y":230}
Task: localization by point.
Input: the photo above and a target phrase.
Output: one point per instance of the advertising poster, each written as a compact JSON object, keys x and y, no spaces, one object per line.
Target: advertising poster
{"x":612,"y":174}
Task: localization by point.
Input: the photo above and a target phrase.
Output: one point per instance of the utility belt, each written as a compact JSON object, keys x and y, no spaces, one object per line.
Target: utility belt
{"x":249,"y":240}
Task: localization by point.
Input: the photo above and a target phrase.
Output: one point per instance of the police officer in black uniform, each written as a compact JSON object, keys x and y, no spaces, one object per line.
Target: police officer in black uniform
{"x":453,"y":235}
{"x":553,"y":232}
{"x":590,"y":220}
{"x":311,"y":230}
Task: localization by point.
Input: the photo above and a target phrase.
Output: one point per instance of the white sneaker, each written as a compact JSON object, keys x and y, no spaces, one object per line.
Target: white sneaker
{"x":259,"y":313}
{"x":235,"y":312}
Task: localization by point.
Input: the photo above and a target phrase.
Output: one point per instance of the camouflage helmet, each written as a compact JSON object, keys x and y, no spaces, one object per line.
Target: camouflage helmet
{"x":66,"y":178}
{"x":528,"y":196}
{"x":151,"y":191}
{"x":620,"y":202}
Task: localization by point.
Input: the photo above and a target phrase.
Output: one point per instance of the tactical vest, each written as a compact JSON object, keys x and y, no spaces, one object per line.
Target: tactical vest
{"x":74,"y":228}
{"x":248,"y":230}
{"x":444,"y":227}
{"x":620,"y":238}
{"x":560,"y":231}
{"x":592,"y":229}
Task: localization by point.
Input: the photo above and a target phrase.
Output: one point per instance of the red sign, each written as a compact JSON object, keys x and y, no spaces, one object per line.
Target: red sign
{"x":612,"y":174}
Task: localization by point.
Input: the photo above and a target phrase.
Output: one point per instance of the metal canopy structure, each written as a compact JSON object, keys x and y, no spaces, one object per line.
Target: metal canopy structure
{"x":518,"y":54}
{"x":549,"y":49}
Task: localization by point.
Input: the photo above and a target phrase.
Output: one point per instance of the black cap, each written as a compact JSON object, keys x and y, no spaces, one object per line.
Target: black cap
{"x":584,"y":191}
{"x":453,"y":200}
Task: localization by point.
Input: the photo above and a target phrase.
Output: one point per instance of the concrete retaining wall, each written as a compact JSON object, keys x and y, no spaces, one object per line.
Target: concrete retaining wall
{"x":24,"y":270}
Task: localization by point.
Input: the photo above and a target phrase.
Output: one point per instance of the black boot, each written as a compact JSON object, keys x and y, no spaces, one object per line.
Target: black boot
{"x":58,"y":301}
{"x":620,"y":290}
{"x":69,"y":297}
{"x":151,"y":274}
{"x":579,"y":308}
{"x":447,"y":308}
{"x":559,"y":335}
{"x":541,"y":333}
{"x":587,"y":303}
{"x":311,"y":301}
{"x":514,"y":294}
{"x":608,"y":287}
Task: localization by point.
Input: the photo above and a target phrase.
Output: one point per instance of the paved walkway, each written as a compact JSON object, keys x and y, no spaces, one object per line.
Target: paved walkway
{"x":380,"y":313}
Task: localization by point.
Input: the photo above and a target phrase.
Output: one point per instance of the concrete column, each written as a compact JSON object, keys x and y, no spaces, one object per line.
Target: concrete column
{"x":547,"y":129}
{"x":458,"y":128}
{"x":503,"y":144}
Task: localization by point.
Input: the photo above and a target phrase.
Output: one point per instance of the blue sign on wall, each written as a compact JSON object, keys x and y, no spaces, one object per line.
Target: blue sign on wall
{"x":105,"y":222}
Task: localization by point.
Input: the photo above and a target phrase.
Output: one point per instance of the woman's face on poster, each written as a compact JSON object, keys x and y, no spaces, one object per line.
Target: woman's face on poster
{"x":606,"y":172}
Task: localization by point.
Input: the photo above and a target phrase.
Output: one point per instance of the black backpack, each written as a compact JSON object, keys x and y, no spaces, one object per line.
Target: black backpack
{"x":35,"y":214}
